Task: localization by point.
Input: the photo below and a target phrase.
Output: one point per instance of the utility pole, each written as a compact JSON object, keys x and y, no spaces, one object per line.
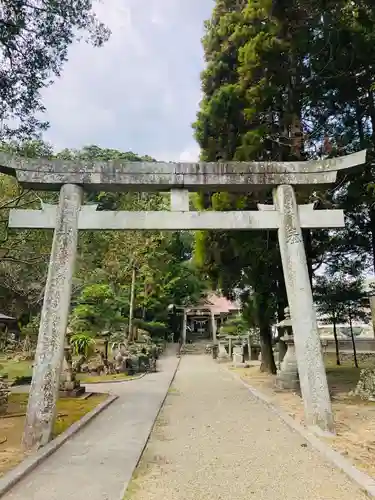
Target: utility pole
{"x":131,"y":311}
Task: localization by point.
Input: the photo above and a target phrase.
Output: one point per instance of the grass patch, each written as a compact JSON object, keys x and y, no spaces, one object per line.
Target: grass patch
{"x":92,"y":379}
{"x":173,"y":390}
{"x":69,"y":411}
{"x":133,"y":486}
{"x":343,"y":378}
{"x":15,"y":369}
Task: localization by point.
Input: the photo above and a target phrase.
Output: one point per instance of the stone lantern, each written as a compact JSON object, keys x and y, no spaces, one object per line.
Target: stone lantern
{"x":287,"y":378}
{"x":69,"y":385}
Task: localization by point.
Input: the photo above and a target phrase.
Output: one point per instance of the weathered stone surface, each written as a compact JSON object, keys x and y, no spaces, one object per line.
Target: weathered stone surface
{"x":287,"y":377}
{"x":213,"y":328}
{"x":4,"y":395}
{"x":313,"y":380}
{"x":184,"y":328}
{"x":372,"y":307}
{"x":156,"y":176}
{"x":174,"y":221}
{"x":180,"y":200}
{"x":366,"y":385}
{"x":50,"y":349}
{"x":222,"y":352}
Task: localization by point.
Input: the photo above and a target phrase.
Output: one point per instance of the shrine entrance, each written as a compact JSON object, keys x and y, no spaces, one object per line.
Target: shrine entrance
{"x":73,"y":178}
{"x":204,"y":319}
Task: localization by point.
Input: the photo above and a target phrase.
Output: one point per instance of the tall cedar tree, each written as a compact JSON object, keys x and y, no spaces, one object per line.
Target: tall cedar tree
{"x":274,"y":89}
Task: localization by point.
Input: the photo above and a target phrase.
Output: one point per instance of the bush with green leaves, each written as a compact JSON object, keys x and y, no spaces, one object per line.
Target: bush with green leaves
{"x":235,"y":325}
{"x":82,"y":344}
{"x":153,"y":328}
{"x":97,"y":309}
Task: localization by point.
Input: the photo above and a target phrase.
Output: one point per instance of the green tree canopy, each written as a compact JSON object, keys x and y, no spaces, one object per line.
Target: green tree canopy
{"x":35,"y":36}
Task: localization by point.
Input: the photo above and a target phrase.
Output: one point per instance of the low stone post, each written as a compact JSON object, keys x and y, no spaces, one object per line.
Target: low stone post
{"x":313,"y":380}
{"x":184,"y":327}
{"x":372,"y":309}
{"x":213,"y":328}
{"x":281,"y":345}
{"x":249,"y":346}
{"x":49,"y":355}
{"x":287,"y":378}
{"x":230,"y":347}
{"x":237,"y":356}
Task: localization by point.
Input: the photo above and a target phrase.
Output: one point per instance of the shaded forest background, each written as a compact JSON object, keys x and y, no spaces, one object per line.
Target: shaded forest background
{"x":283,"y":81}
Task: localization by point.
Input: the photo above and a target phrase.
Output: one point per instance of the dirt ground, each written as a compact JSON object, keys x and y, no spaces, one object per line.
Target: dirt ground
{"x":355,"y":419}
{"x":11,"y":424}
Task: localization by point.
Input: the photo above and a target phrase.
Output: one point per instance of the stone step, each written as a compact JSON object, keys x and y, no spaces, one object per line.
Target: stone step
{"x":197,"y":348}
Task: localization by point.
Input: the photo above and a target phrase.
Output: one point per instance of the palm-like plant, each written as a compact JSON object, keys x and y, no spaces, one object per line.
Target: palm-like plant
{"x":82,"y":344}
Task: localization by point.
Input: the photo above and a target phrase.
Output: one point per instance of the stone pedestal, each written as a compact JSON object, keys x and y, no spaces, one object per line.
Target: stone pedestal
{"x":237,"y":355}
{"x":287,"y":378}
{"x":222,"y":353}
{"x":70,"y":387}
{"x":49,"y":355}
{"x":282,"y":348}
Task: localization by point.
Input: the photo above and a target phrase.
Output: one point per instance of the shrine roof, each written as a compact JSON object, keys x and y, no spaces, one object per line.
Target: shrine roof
{"x":215,"y":303}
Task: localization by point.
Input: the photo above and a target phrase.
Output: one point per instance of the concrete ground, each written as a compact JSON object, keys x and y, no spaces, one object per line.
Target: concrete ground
{"x":98,"y":461}
{"x":215,"y":441}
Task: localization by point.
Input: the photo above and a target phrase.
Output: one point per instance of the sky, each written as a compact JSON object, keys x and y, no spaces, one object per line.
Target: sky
{"x":141,"y":91}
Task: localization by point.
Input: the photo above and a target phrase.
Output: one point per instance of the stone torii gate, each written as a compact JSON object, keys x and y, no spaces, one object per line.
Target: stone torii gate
{"x":73,"y":178}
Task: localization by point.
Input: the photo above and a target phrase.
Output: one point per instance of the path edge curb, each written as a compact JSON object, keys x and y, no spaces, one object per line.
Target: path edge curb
{"x":361,"y":479}
{"x":149,"y":432}
{"x":118,"y":381}
{"x":21,"y":470}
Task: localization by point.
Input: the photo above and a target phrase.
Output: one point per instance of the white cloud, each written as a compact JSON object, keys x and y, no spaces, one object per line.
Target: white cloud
{"x":140,"y":91}
{"x":191,"y":154}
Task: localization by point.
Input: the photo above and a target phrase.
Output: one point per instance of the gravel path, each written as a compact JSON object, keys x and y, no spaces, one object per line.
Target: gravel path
{"x":215,"y":441}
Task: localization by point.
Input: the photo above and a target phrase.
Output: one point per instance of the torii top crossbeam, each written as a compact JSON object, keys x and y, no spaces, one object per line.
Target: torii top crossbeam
{"x":44,"y":174}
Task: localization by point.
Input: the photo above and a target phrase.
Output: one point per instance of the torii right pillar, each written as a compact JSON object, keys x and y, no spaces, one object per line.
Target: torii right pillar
{"x":312,"y":375}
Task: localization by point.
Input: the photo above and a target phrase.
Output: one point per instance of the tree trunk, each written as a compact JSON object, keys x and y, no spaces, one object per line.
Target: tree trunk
{"x":353,"y":342}
{"x":265,"y":332}
{"x":268,"y":362}
{"x":282,"y":299}
{"x":306,"y":233}
{"x":282,"y":303}
{"x":338,"y":362}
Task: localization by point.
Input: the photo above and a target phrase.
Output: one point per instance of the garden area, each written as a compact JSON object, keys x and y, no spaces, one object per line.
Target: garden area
{"x":354,"y":416}
{"x":69,"y":411}
{"x":119,"y":321}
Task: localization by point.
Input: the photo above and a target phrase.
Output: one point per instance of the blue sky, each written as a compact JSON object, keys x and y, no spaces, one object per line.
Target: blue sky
{"x":141,"y":91}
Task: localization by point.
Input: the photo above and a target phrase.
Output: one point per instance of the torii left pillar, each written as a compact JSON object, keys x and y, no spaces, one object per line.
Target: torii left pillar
{"x":49,"y":355}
